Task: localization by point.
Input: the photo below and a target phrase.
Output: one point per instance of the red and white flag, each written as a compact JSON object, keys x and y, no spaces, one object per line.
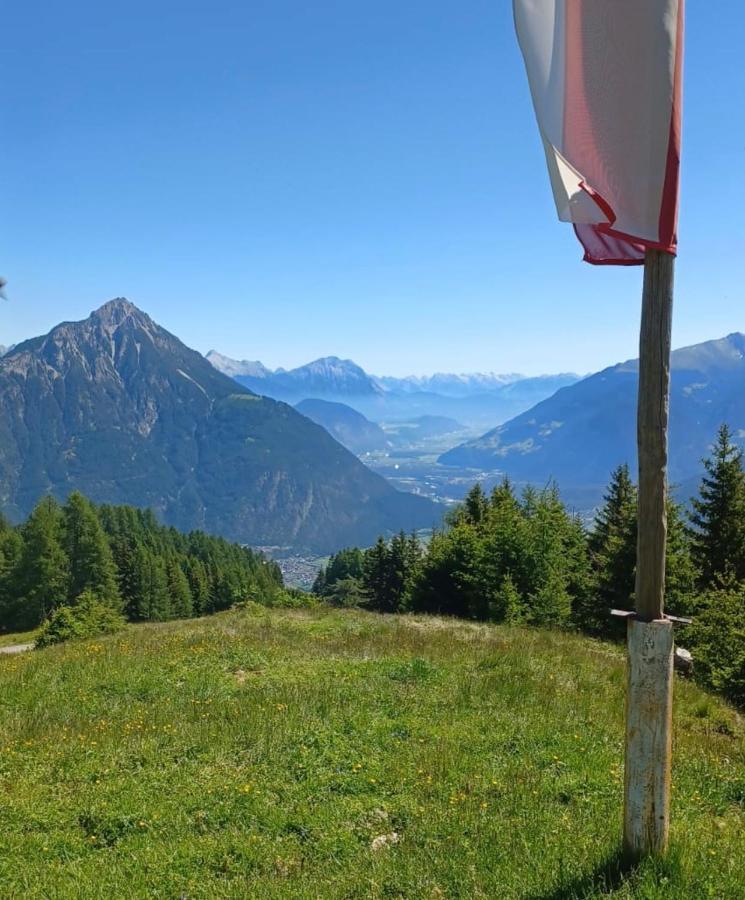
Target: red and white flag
{"x":605,"y":76}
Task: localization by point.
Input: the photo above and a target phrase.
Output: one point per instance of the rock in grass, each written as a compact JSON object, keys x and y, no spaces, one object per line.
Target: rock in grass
{"x":384,"y":840}
{"x":683,"y":661}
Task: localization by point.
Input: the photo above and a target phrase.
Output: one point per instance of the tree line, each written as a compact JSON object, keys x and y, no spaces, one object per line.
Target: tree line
{"x":125,"y":559}
{"x":525,"y":558}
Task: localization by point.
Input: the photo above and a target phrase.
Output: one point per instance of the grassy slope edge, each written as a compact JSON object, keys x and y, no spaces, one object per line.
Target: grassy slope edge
{"x":260,"y":753}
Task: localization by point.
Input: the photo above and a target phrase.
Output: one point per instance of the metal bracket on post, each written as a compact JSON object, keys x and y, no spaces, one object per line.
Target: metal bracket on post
{"x":630,"y":614}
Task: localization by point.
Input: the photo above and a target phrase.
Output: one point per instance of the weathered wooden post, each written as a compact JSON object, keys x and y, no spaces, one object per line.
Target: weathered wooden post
{"x":649,"y":697}
{"x":606,"y":83}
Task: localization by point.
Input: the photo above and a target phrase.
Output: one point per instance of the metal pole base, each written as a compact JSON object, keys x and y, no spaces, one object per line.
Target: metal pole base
{"x":649,"y":707}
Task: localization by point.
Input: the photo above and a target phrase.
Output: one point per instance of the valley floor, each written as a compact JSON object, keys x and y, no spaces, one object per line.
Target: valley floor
{"x":329,"y":754}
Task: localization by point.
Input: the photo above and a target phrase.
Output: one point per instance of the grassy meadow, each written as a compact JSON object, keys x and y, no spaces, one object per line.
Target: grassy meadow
{"x":336,"y":754}
{"x":25,"y":637}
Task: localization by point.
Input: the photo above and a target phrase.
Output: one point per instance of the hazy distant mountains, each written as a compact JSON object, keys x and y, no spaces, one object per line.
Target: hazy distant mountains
{"x":476,"y":400}
{"x":449,"y":385}
{"x":235,"y":368}
{"x":346,"y":425}
{"x":119,"y":408}
{"x":329,"y":377}
{"x":582,"y":432}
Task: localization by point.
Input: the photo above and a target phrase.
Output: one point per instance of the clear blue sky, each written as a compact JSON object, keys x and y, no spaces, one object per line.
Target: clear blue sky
{"x":282,"y":180}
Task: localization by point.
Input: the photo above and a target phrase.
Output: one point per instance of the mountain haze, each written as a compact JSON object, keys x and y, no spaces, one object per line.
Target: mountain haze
{"x":237,"y":367}
{"x":478,"y":400}
{"x":118,"y":408}
{"x":582,"y":432}
{"x":346,"y":425}
{"x":325,"y":378}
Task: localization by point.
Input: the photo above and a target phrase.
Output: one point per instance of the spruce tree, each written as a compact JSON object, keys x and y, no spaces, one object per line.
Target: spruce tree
{"x":549,"y":534}
{"x":375,"y":577}
{"x":612,"y":546}
{"x":159,"y":601}
{"x":138,"y":601}
{"x":319,"y":583}
{"x":448,"y":581}
{"x":42,"y":573}
{"x":680,"y":570}
{"x":475,"y":505}
{"x":508,"y":605}
{"x":198,"y":585}
{"x":718,"y":516}
{"x":11,"y":546}
{"x":347,"y":563}
{"x":91,"y":561}
{"x":182,"y":604}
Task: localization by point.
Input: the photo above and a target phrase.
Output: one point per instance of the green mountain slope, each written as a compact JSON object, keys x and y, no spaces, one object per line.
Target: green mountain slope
{"x":581,"y":433}
{"x":346,"y":425}
{"x":118,"y":408}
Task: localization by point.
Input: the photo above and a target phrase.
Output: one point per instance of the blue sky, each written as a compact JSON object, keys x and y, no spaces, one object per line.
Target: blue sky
{"x":283,"y":180}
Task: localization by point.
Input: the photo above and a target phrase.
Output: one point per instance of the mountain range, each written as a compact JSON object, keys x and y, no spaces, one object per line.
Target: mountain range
{"x":449,"y":384}
{"x":477,"y":400}
{"x":585,"y":430}
{"x":117,"y":407}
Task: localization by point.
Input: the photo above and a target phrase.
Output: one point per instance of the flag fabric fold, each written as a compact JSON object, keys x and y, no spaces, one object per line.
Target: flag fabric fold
{"x":605,"y":77}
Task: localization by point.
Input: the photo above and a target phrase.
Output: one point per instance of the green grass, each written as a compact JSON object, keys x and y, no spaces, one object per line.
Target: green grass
{"x":25,"y":637}
{"x":259,"y":754}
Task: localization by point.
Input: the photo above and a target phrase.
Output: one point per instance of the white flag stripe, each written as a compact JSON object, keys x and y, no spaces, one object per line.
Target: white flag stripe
{"x":605,"y":80}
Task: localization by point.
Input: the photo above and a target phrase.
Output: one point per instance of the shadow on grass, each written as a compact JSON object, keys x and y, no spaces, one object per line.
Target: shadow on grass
{"x":604,"y":879}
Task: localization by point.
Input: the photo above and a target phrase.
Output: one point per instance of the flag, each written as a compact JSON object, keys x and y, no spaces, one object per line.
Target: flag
{"x":605,"y":76}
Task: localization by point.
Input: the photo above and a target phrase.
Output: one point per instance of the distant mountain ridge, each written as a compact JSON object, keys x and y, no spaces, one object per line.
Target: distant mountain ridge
{"x":582,"y":432}
{"x":449,"y":384}
{"x":236,"y":367}
{"x":117,"y":407}
{"x":323,"y":378}
{"x":346,"y":425}
{"x":477,"y":399}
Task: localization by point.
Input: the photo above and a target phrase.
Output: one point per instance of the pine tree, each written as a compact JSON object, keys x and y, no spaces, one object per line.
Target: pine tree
{"x":448,"y":582}
{"x":347,"y":563}
{"x":159,"y":601}
{"x":138,"y":602}
{"x":508,"y":605}
{"x":42,"y":573}
{"x":718,"y":516}
{"x":198,"y":585}
{"x":501,"y":553}
{"x":551,"y":604}
{"x":319,"y":583}
{"x":375,"y":577}
{"x":91,"y":561}
{"x":612,"y":546}
{"x":11,"y":546}
{"x":475,"y":505}
{"x":124,"y":552}
{"x":549,"y":535}
{"x":122,"y":556}
{"x":503,"y":495}
{"x":182,"y":604}
{"x":680,"y":570}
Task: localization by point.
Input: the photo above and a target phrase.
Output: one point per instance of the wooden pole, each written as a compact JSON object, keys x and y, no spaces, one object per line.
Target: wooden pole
{"x":651,"y":432}
{"x":650,"y":639}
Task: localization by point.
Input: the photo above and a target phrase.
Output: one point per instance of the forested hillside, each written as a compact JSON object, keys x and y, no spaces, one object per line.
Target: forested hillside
{"x":585,"y":430}
{"x":526,"y":558}
{"x":121,"y":410}
{"x":126,"y":560}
